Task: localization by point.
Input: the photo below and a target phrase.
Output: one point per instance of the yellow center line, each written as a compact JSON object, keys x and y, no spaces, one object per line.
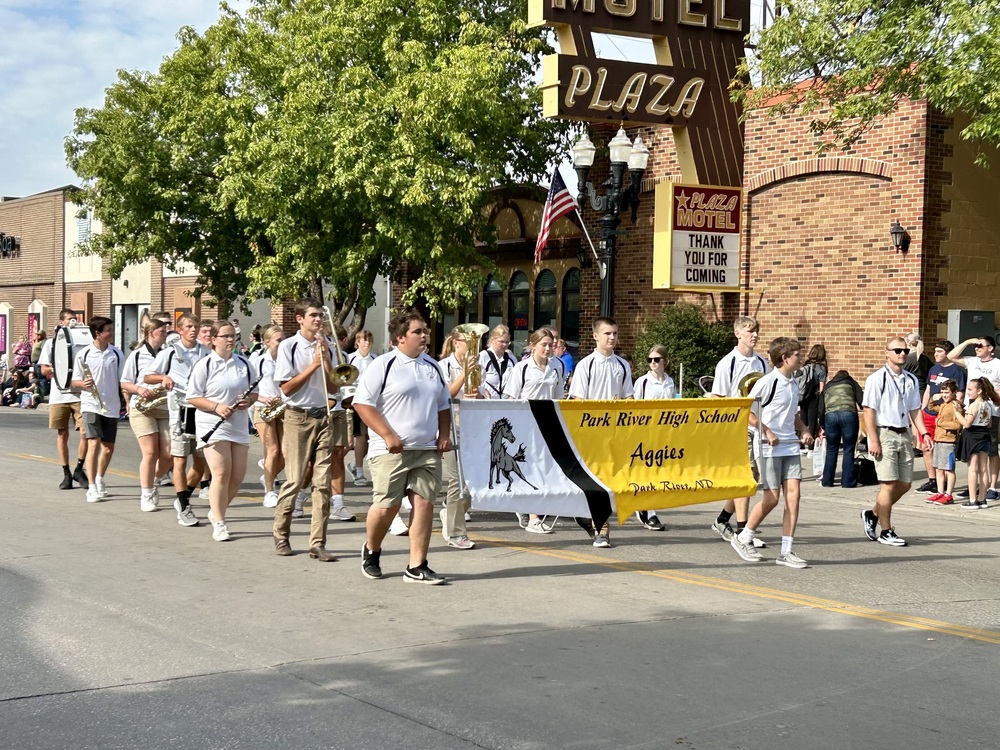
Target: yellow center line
{"x":760,"y":592}
{"x":695,"y":579}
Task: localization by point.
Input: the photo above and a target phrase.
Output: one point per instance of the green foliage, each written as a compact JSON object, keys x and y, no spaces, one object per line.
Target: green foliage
{"x":322,"y":139}
{"x":863,"y":58}
{"x":688,"y":338}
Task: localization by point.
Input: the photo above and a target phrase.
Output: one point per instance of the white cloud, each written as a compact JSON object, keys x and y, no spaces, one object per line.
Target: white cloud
{"x":58,"y":56}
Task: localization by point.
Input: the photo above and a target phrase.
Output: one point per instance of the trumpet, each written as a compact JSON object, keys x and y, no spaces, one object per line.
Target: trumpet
{"x":473,"y":376}
{"x":157,"y":397}
{"x":94,"y":391}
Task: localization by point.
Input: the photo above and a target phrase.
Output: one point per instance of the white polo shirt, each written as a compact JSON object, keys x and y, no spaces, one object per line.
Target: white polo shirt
{"x":600,"y":377}
{"x":264,"y":367}
{"x":106,"y":367}
{"x":56,"y":395}
{"x":176,"y":361}
{"x":733,"y":368}
{"x":451,"y":368}
{"x":295,"y":354}
{"x":137,"y":364}
{"x":648,"y":387}
{"x":223,"y":381}
{"x":989,"y":370}
{"x":409,"y":393}
{"x":355,"y":358}
{"x":528,"y":380}
{"x":892,"y":397}
{"x":778,"y":405}
{"x":496,"y":371}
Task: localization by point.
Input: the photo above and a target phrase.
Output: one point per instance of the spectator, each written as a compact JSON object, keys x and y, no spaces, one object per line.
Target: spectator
{"x":812,"y":379}
{"x":942,"y":370}
{"x":27,"y":397}
{"x":36,"y":353}
{"x":838,"y":413}
{"x":916,"y":361}
{"x":22,"y":354}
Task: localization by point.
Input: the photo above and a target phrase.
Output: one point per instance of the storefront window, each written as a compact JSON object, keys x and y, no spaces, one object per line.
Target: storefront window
{"x":518,"y":315}
{"x":492,"y":303}
{"x":570,"y":329}
{"x":546,"y":300}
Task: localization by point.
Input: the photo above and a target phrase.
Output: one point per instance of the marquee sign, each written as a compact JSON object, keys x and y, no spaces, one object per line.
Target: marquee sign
{"x":698,"y":46}
{"x":696,"y":237}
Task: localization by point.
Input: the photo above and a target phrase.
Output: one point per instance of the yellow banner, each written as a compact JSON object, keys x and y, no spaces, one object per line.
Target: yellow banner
{"x":664,"y":454}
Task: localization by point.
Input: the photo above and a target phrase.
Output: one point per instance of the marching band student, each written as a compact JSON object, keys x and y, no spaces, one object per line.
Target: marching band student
{"x":271,"y":433}
{"x":340,"y":435}
{"x":172,"y":368}
{"x":655,"y":384}
{"x":777,"y":414}
{"x":99,"y":401}
{"x":540,"y":376}
{"x":602,"y":374}
{"x":205,"y":339}
{"x":403,"y":398}
{"x":496,"y":363}
{"x":63,"y":405}
{"x":302,"y":372}
{"x":361,"y":357}
{"x":222,"y":387}
{"x":453,"y":363}
{"x":152,"y":429}
{"x":730,"y":370}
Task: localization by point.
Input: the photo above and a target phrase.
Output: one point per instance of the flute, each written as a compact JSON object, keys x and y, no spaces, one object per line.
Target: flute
{"x":242,"y":396}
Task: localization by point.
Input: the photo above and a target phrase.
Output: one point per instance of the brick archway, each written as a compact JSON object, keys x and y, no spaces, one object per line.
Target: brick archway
{"x":849,"y":164}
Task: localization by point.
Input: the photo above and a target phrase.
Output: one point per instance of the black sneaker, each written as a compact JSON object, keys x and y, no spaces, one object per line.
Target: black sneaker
{"x":648,"y":521}
{"x":889,"y":537}
{"x":67,"y":482}
{"x":423,"y":574}
{"x":927,"y":488}
{"x":992,"y":495}
{"x":870,"y":520}
{"x":80,"y":477}
{"x":973,"y":505}
{"x":962,"y":493}
{"x":369,"y":562}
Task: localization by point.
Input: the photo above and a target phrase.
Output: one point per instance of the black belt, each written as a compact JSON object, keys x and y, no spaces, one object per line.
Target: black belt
{"x":314,"y":412}
{"x":897,"y":430}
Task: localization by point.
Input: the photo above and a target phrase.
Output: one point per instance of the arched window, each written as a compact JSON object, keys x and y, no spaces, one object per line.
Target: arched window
{"x":546,"y":296}
{"x":570,"y":329}
{"x":492,"y":303}
{"x":518,"y":312}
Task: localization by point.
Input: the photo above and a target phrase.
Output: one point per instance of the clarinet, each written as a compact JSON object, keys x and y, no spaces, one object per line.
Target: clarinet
{"x":242,"y":396}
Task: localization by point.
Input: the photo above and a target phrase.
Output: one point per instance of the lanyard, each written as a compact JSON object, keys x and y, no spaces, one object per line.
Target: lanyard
{"x":901,"y":390}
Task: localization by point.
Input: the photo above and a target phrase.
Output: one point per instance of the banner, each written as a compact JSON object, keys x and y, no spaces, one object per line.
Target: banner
{"x":591,"y":458}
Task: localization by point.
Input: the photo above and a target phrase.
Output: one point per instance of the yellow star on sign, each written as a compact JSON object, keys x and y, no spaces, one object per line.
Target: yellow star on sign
{"x":682,"y":200}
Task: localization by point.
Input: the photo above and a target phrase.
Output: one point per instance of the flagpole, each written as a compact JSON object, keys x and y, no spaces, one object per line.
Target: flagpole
{"x":586,"y":234}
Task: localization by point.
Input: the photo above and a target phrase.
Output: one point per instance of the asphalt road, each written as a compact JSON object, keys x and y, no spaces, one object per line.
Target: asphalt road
{"x":122,"y":629}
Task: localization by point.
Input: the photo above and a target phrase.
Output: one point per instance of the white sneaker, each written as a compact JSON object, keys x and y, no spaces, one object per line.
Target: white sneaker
{"x":211,"y":517}
{"x":102,"y":489}
{"x":185,"y":517}
{"x":443,"y":514}
{"x":203,"y":494}
{"x":468,"y":517}
{"x":535,"y":526}
{"x":166,"y":480}
{"x":791,"y":560}
{"x":219,"y":532}
{"x":93,"y":496}
{"x":271,"y":499}
{"x":260,"y":463}
{"x":262,"y":483}
{"x":340,"y":513}
{"x":147,"y":502}
{"x":399,"y":527}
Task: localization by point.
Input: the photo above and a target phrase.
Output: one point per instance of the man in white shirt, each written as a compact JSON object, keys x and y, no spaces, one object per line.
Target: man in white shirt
{"x":64,"y":405}
{"x":730,"y":370}
{"x":604,"y":375}
{"x":403,"y":398}
{"x":97,"y":373}
{"x":892,"y":405}
{"x":775,"y":413}
{"x":983,"y":365}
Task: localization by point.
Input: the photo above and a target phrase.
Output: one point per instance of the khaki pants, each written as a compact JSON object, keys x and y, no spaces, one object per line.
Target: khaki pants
{"x":306,"y":439}
{"x":459,"y":500}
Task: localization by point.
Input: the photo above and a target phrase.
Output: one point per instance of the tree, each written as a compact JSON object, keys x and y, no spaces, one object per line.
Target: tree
{"x":344,"y":139}
{"x":856,"y":60}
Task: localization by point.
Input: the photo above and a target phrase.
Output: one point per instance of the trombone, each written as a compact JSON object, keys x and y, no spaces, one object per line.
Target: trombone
{"x":324,"y":363}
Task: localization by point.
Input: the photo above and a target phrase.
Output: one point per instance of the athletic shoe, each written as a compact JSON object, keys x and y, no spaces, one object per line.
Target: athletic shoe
{"x":203,"y":494}
{"x":93,"y":496}
{"x":351,"y":467}
{"x":219,"y":532}
{"x":934,"y":498}
{"x":944,"y":500}
{"x":522,"y":519}
{"x":102,"y":489}
{"x":927,"y":488}
{"x":271,"y":499}
{"x":461,"y":542}
{"x":746,"y":551}
{"x":535,"y":526}
{"x":80,"y":476}
{"x":423,"y":574}
{"x":723,"y":529}
{"x":870,"y":521}
{"x":340,"y":513}
{"x":602,"y":541}
{"x":442,"y":514}
{"x":889,"y":537}
{"x":147,"y":503}
{"x":399,"y":527}
{"x":962,"y":493}
{"x":759,"y":543}
{"x":260,"y":463}
{"x":468,"y":517}
{"x":791,"y":560}
{"x":262,"y":483}
{"x":359,"y":478}
{"x":67,"y":482}
{"x":973,"y":505}
{"x":992,"y":495}
{"x":369,"y":562}
{"x":300,"y":502}
{"x":185,"y":517}
{"x":211,"y":517}
{"x":167,"y":480}
{"x":649,"y":521}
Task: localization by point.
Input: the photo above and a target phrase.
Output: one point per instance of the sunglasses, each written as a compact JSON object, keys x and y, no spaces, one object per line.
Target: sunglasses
{"x":898,"y":351}
{"x":981,"y":346}
{"x":654,"y":359}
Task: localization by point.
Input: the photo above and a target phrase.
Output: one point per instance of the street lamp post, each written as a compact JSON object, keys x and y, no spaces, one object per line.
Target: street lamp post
{"x":624,"y":155}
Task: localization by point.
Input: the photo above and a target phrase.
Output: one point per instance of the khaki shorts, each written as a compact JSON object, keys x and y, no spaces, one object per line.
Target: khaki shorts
{"x":182,"y":444}
{"x":155,"y":422}
{"x":393,"y":474}
{"x":338,"y":427}
{"x":59,"y":415}
{"x":896,"y":463}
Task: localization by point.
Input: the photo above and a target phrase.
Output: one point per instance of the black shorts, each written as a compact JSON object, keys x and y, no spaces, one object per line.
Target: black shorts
{"x":358,"y":427}
{"x":98,"y":426}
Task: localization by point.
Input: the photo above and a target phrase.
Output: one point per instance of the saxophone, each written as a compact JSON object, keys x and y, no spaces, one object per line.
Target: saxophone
{"x":157,"y":398}
{"x":272,"y":412}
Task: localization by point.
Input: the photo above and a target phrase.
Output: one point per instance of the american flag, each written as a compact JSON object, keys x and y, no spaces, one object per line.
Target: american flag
{"x":558,"y":203}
